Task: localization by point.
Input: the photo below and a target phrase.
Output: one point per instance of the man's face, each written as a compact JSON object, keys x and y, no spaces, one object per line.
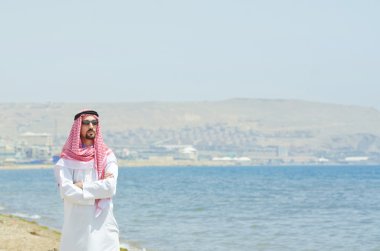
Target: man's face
{"x":88,"y":129}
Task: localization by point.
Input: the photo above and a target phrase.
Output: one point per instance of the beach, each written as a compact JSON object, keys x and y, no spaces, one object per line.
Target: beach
{"x":17,"y":234}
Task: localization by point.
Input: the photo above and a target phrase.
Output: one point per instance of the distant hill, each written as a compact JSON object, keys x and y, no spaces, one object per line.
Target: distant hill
{"x":257,"y":114}
{"x":241,"y":123}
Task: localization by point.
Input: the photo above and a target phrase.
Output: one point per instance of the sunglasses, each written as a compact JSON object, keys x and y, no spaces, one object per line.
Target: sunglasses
{"x":87,"y":122}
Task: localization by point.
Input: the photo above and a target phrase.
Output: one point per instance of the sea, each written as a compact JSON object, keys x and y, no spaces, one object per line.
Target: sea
{"x":223,"y":208}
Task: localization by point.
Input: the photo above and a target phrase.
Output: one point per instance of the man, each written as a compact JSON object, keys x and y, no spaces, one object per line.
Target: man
{"x":87,"y":174}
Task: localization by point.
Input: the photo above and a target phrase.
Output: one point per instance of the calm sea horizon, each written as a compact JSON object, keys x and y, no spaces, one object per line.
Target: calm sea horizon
{"x":223,"y":208}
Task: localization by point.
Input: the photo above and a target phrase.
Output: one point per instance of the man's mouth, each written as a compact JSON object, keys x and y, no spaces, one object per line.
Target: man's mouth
{"x":90,"y":134}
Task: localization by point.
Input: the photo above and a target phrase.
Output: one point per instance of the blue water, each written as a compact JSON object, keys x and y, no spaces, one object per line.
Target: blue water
{"x":224,"y":208}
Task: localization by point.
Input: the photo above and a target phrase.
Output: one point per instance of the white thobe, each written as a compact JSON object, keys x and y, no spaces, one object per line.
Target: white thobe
{"x":83,"y":228}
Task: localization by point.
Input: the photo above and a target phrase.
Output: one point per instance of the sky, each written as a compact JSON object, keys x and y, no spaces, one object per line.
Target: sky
{"x":172,"y":50}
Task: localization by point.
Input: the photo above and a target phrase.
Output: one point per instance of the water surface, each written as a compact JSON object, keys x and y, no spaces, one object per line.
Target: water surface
{"x":224,"y":208}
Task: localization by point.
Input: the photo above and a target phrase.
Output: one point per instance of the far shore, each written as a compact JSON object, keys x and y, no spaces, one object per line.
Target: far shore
{"x":26,"y":166}
{"x":128,"y":163}
{"x":184,"y":163}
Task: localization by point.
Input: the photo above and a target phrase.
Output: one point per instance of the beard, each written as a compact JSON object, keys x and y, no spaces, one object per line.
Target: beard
{"x":90,"y":134}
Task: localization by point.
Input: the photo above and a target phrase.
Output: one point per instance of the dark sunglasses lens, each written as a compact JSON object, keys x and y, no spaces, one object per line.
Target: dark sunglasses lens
{"x":87,"y":122}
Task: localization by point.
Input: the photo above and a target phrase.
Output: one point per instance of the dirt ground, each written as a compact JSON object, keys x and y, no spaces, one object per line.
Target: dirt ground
{"x":17,"y":234}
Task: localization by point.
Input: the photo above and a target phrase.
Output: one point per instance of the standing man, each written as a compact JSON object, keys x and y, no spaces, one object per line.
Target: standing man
{"x":87,"y":176}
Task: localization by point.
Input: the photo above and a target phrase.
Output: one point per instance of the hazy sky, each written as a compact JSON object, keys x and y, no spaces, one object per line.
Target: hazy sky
{"x":144,"y":50}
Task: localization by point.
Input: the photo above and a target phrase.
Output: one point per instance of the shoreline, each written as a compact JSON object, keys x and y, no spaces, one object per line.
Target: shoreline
{"x":17,"y":233}
{"x":139,"y":163}
{"x":185,"y":163}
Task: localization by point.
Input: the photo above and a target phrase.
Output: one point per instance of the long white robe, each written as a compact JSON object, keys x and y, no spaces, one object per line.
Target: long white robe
{"x":83,"y":229}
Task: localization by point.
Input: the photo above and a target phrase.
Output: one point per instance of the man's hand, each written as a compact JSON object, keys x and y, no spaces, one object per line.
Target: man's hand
{"x":108,"y":175}
{"x":79,"y":184}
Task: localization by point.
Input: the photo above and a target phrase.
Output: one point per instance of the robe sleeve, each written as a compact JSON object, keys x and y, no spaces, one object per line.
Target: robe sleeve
{"x":106,"y":188}
{"x":68,"y":190}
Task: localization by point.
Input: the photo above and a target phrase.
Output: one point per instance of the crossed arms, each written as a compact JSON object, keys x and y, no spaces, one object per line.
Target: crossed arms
{"x":85,"y":192}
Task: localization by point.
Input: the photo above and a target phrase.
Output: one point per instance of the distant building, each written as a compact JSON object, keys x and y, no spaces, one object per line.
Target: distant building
{"x":36,"y":139}
{"x":282,"y":152}
{"x":323,"y":160}
{"x":34,"y":148}
{"x":7,"y":153}
{"x":189,"y":153}
{"x":356,"y":159}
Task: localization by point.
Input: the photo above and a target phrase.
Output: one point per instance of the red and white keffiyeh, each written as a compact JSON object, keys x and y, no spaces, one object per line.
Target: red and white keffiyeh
{"x":73,"y":149}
